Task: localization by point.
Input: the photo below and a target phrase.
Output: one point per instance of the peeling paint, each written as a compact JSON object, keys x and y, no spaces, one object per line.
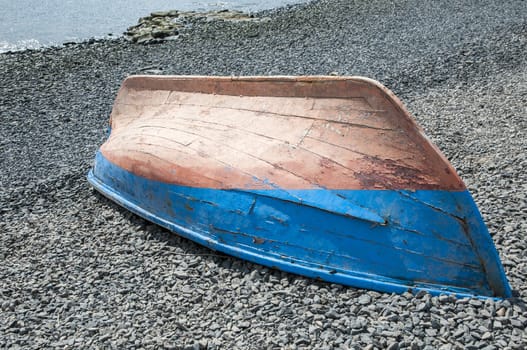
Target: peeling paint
{"x":326,"y":177}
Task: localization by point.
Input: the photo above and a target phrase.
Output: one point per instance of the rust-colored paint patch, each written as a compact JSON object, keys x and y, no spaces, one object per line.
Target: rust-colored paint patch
{"x":268,"y":132}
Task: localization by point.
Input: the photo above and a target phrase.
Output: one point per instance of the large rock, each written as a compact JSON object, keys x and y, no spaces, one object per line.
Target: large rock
{"x":166,"y":25}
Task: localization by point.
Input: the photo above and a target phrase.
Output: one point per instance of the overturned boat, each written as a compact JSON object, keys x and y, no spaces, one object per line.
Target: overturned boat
{"x":327,"y":177}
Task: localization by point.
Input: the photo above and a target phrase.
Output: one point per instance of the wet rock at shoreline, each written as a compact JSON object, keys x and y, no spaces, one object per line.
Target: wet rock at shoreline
{"x":167,"y":25}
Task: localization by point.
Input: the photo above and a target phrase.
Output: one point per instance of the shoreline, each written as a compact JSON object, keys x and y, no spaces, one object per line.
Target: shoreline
{"x":187,"y":19}
{"x":81,"y":272}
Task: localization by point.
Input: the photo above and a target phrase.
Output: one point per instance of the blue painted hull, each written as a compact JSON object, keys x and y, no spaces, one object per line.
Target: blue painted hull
{"x":386,"y":240}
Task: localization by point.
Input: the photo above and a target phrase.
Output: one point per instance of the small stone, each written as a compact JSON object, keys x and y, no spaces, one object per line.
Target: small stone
{"x":459,"y":333}
{"x":431,"y":332}
{"x":356,"y":325}
{"x":444,"y":298}
{"x":420,"y":294}
{"x":364,"y":299}
{"x":244,"y":324}
{"x":501,"y":312}
{"x":475,"y":302}
{"x":302,"y":342}
{"x":176,"y":273}
{"x":516,"y":323}
{"x":489,"y":347}
{"x":169,"y":346}
{"x":393,"y":346}
{"x":423,"y":307}
{"x":332,"y":314}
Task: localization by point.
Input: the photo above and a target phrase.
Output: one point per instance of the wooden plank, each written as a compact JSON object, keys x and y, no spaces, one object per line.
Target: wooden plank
{"x":353,"y":110}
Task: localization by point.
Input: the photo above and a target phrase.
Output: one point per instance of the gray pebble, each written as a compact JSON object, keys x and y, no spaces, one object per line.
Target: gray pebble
{"x":79,"y":271}
{"x":364,"y":299}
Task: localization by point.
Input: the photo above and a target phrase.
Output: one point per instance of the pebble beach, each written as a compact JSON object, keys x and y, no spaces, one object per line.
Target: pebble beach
{"x":77,"y":271}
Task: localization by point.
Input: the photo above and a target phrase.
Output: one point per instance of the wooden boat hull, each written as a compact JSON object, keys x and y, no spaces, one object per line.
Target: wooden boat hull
{"x":365,"y":221}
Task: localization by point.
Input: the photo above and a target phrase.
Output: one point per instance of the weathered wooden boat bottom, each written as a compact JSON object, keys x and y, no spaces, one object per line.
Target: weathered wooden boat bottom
{"x":309,"y":232}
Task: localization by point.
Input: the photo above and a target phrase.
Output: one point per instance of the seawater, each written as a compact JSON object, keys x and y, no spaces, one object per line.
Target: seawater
{"x":26,"y":24}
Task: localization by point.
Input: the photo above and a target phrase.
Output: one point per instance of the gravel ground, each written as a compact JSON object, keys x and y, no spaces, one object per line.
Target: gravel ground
{"x":77,"y":271}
